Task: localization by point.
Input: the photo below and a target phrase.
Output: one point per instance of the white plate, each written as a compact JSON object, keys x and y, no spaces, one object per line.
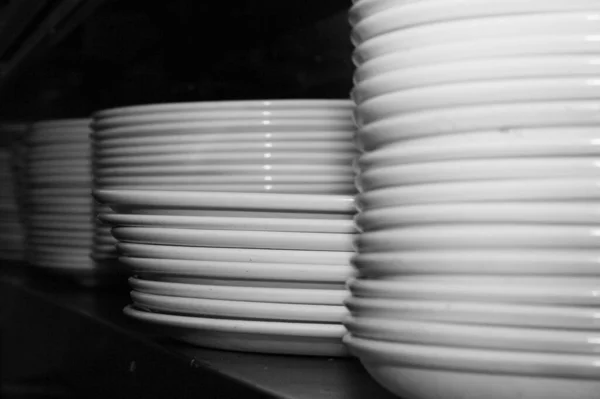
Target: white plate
{"x":216,"y":115}
{"x":476,"y":70}
{"x":266,"y":168}
{"x":535,"y":142}
{"x":481,"y":191}
{"x":308,"y":188}
{"x":513,"y":26}
{"x":231,"y":223}
{"x":231,"y":126}
{"x":431,"y":372}
{"x":228,"y":201}
{"x":479,"y":236}
{"x":224,"y":105}
{"x":560,"y":292}
{"x":479,"y":170}
{"x":476,"y":94}
{"x":60,"y":124}
{"x":238,"y":309}
{"x":372,"y":18}
{"x":264,"y":214}
{"x":490,"y":117}
{"x":240,"y":293}
{"x":244,"y":257}
{"x":53,"y":151}
{"x":320,"y":339}
{"x":474,"y":313}
{"x":230,"y":180}
{"x":548,"y":44}
{"x":586,"y":213}
{"x":283,"y":275}
{"x":236,"y":239}
{"x":534,"y":263}
{"x":190,"y":137}
{"x":419,"y":332}
{"x":262,"y":146}
{"x":217,"y":160}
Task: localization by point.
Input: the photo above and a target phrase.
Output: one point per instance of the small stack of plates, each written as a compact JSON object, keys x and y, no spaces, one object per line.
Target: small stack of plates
{"x":12,"y":232}
{"x":282,"y":146}
{"x":60,"y":221}
{"x":239,"y":271}
{"x":478,"y":253}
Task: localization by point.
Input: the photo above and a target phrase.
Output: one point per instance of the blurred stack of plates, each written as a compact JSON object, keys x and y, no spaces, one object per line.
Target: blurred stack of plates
{"x":239,"y":271}
{"x":478,"y":257}
{"x":284,"y":146}
{"x":60,"y":221}
{"x":12,"y":232}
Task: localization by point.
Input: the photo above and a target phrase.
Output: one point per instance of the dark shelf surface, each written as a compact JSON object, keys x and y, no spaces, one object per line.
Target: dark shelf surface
{"x":81,"y":337}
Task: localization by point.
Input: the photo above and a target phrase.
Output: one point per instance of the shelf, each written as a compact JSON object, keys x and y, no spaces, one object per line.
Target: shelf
{"x":82,"y":338}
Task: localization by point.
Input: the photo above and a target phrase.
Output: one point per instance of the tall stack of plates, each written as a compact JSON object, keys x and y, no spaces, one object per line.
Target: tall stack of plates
{"x":283,"y":146}
{"x":235,"y":219}
{"x":478,"y":257}
{"x":239,"y":271}
{"x":60,"y":221}
{"x":12,"y":232}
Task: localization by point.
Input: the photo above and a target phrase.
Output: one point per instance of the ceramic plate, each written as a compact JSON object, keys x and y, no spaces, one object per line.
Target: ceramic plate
{"x":240,"y":293}
{"x":265,"y":105}
{"x":551,"y":190}
{"x":483,"y":170}
{"x":238,"y":309}
{"x":227,"y":201}
{"x":513,"y":26}
{"x":499,"y":314}
{"x":236,"y":238}
{"x":495,"y":212}
{"x":190,"y":137}
{"x":478,"y":118}
{"x":231,"y":223}
{"x":425,"y":372}
{"x":228,"y":126}
{"x":579,"y":293}
{"x":238,"y":270}
{"x":535,"y":142}
{"x":249,"y":335}
{"x":308,"y":188}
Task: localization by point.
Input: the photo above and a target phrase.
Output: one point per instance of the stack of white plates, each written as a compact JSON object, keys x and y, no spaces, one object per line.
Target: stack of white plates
{"x":60,"y":221}
{"x":478,"y":256}
{"x":12,"y":233}
{"x":282,"y":146}
{"x":238,"y":271}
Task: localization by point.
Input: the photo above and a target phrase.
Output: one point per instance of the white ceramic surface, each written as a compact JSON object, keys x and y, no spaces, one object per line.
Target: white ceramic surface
{"x":248,"y":335}
{"x":480,"y":236}
{"x":240,"y":293}
{"x":474,"y":336}
{"x":513,"y":26}
{"x":529,"y":142}
{"x":235,"y":238}
{"x":214,"y":115}
{"x":270,"y":187}
{"x":558,"y":292}
{"x":224,"y":105}
{"x":238,"y":270}
{"x":548,"y":44}
{"x":477,"y":118}
{"x":238,"y":309}
{"x":372,"y":82}
{"x":190,"y":137}
{"x":476,"y":94}
{"x":372,"y":18}
{"x":227,"y":201}
{"x":231,"y":223}
{"x":481,"y":170}
{"x":474,"y":313}
{"x":584,"y":213}
{"x":431,"y":372}
{"x":552,"y":190}
{"x":225,"y":127}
